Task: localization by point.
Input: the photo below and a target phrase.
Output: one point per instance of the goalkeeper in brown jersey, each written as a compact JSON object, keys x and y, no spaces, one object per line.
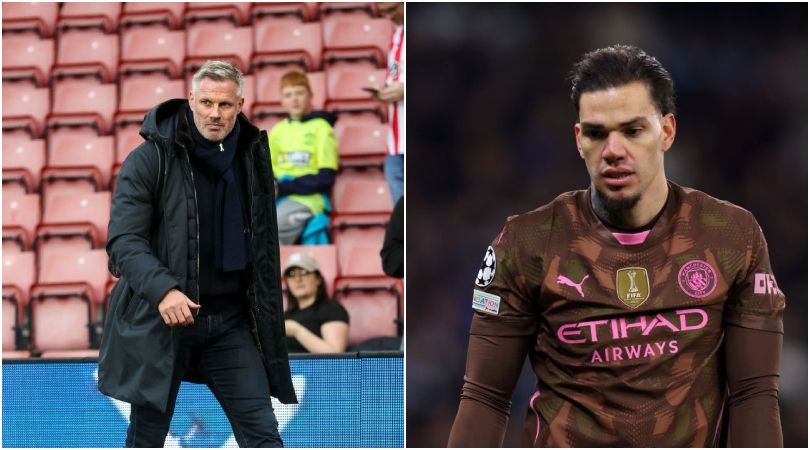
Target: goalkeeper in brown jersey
{"x":648,"y":310}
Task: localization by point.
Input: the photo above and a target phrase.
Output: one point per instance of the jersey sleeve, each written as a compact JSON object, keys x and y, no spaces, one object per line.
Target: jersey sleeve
{"x":274,"y":143}
{"x":326,"y":148}
{"x":755,"y":301}
{"x":502,"y":294}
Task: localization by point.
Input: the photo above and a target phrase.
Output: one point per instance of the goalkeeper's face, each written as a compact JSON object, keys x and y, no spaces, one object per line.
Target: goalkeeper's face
{"x":622,"y":137}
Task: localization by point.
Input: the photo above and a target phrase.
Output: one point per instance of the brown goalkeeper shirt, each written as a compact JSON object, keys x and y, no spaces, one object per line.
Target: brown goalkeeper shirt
{"x":666,"y":337}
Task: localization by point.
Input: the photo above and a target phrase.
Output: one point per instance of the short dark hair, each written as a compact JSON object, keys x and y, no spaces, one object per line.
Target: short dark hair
{"x":618,"y":65}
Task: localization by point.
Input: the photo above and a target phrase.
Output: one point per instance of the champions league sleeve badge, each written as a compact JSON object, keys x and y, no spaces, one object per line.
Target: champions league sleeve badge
{"x":487,"y":271}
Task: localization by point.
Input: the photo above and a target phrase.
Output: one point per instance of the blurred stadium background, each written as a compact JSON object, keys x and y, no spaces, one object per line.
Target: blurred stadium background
{"x":491,"y":134}
{"x":77,"y":80}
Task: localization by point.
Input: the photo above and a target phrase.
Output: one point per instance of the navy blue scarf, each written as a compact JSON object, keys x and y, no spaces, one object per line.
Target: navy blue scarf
{"x":232,"y":243}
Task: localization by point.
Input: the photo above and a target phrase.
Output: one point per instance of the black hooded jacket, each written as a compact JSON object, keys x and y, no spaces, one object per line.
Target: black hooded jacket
{"x":153,"y":246}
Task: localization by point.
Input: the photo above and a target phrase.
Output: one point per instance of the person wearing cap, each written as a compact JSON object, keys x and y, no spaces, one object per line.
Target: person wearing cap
{"x":314,"y":322}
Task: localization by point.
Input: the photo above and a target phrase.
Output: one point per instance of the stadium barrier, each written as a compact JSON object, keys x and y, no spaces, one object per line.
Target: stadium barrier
{"x":346,"y":400}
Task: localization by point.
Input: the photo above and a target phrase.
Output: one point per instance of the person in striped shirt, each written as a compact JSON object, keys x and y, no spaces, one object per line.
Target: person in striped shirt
{"x":393,"y":93}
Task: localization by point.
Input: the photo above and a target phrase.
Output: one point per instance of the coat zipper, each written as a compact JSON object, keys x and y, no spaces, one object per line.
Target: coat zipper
{"x":197,"y":223}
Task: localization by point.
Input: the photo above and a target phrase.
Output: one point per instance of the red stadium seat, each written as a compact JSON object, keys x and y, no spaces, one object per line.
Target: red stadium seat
{"x":142,"y":14}
{"x":267,"y":122}
{"x":268,"y":91}
{"x":361,"y":196}
{"x":89,"y":15}
{"x":288,"y":42}
{"x":23,"y":160}
{"x":127,"y":138}
{"x":62,"y":312}
{"x":215,"y":41}
{"x":25,"y":108}
{"x":85,"y":104}
{"x":236,"y":13}
{"x":76,"y":214}
{"x":356,"y":38}
{"x":372,"y":313}
{"x":361,"y":144}
{"x":249,"y":94}
{"x":28,"y":58}
{"x":325,"y":255}
{"x":76,"y":156}
{"x":300,"y":11}
{"x":344,"y":89}
{"x":153,"y":50}
{"x":85,"y":54}
{"x":20,"y":272}
{"x":11,"y":320}
{"x":21,"y":215}
{"x":348,"y":9}
{"x":39,"y":17}
{"x":358,"y":251}
{"x":140,"y":94}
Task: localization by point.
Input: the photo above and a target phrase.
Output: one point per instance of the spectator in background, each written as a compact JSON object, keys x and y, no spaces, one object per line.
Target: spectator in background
{"x":304,"y":155}
{"x":315,"y":323}
{"x":393,"y":93}
{"x":393,"y":250}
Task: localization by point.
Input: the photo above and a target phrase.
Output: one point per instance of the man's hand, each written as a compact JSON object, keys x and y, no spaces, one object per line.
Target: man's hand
{"x":175,"y":308}
{"x":392,"y":93}
{"x":292,"y":327}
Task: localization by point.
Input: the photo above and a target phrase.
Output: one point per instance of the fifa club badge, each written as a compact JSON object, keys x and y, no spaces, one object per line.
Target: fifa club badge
{"x":632,"y":286}
{"x":697,"y":279}
{"x":487,"y":271}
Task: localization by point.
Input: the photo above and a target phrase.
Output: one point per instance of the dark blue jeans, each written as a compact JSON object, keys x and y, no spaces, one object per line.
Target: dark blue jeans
{"x":221,"y":346}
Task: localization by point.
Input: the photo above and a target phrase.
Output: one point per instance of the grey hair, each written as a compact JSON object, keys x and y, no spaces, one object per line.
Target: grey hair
{"x":219,"y":71}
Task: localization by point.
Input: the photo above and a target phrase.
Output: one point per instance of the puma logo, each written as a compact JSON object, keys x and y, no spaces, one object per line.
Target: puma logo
{"x":562,"y":279}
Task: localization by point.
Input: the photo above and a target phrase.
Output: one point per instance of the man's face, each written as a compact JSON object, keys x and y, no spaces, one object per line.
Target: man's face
{"x":393,"y":10}
{"x":296,"y":100}
{"x":215,"y":106}
{"x":622,"y":138}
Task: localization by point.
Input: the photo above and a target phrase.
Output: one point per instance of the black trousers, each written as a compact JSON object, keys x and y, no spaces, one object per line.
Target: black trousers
{"x":222,"y":347}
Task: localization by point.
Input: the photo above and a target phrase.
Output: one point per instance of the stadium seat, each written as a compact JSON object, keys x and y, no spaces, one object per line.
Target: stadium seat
{"x":146,"y":50}
{"x":268,"y":92}
{"x":102,"y":16}
{"x":249,"y":94}
{"x":216,"y":41}
{"x":38,"y":17}
{"x":84,"y":104}
{"x":77,"y":156}
{"x":28,"y":57}
{"x":23,"y":160}
{"x":143,"y":14}
{"x":348,"y":9}
{"x":25,"y":107}
{"x":21,"y":215}
{"x":288,"y":42}
{"x":63,"y":302}
{"x":325,"y":255}
{"x":267,"y":122}
{"x":361,"y":196}
{"x":127,"y":138}
{"x":358,"y":251}
{"x":237,"y":13}
{"x":87,"y":54}
{"x":356,"y":39}
{"x":361,"y":144}
{"x":372,"y":313}
{"x":275,"y":11}
{"x":76,"y":214}
{"x":344,"y":89}
{"x":19,"y":275}
{"x":11,"y":320}
{"x":140,"y":94}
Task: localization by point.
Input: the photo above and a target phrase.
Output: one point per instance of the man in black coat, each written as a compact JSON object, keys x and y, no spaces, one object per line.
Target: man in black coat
{"x":194,"y":239}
